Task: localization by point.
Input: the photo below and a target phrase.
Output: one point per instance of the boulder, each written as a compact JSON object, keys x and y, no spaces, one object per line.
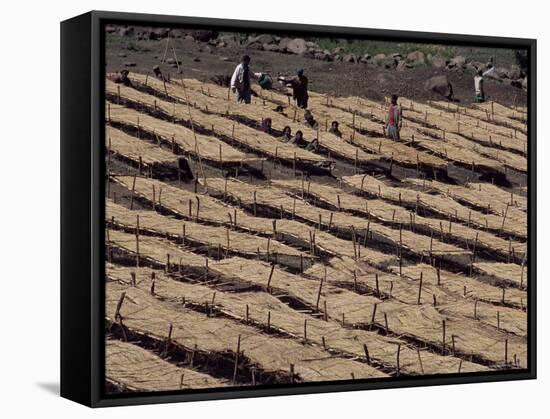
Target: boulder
{"x":323,"y":56}
{"x":397,"y":56}
{"x":350,"y":58}
{"x":265,"y":39}
{"x":365,"y":59}
{"x":514,"y":72}
{"x":457,"y":62}
{"x":312,"y":45}
{"x":283,"y":43}
{"x":388,"y":62}
{"x":439,"y":85}
{"x":403,"y":65}
{"x":271,"y":47}
{"x":204,"y":35}
{"x":255,"y":46}
{"x":379,"y":57}
{"x":111,"y":28}
{"x":126,"y":31}
{"x":338,"y":50}
{"x":438,"y":61}
{"x":297,"y":46}
{"x":416,"y":57}
{"x":159,"y":33}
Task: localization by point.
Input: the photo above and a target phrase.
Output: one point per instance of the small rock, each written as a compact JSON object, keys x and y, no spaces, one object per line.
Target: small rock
{"x":339,"y":50}
{"x":224,"y":58}
{"x":129,"y":64}
{"x":196,"y":59}
{"x":121,"y":54}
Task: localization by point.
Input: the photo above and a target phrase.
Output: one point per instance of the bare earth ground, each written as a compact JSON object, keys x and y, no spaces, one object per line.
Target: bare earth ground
{"x":336,"y":78}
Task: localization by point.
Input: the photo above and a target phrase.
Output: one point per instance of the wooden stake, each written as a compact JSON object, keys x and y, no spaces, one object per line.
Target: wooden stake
{"x":420,"y":361}
{"x":235,"y":369}
{"x":319,"y":292}
{"x":419,"y":289}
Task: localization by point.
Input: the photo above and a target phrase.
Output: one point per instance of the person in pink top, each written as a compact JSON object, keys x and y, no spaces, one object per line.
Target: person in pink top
{"x":395,"y":122}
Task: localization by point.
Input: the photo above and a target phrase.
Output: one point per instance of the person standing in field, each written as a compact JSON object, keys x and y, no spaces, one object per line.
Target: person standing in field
{"x":395,"y":120}
{"x":299,"y":85}
{"x":241,"y":80}
{"x":479,"y":84}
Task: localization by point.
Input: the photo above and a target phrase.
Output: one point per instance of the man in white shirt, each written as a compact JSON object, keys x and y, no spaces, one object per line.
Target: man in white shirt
{"x":241,"y":80}
{"x":478,"y":84}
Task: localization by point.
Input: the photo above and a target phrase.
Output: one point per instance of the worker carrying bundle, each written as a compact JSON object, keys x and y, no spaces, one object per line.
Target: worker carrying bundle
{"x":299,"y":88}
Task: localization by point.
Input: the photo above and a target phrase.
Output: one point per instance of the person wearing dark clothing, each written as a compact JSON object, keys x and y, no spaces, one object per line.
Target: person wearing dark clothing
{"x":297,"y":139}
{"x":121,"y":78}
{"x":334,"y":129}
{"x":393,"y":126}
{"x":299,"y":85}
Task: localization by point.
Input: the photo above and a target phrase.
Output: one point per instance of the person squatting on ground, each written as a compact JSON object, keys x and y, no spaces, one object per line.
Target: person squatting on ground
{"x":299,"y":88}
{"x":297,"y":139}
{"x":121,"y":78}
{"x":287,"y":134}
{"x":313,"y":145}
{"x":395,"y":120}
{"x":241,"y":80}
{"x":334,"y":129}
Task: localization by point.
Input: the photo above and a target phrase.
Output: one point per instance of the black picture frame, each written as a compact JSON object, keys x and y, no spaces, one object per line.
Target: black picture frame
{"x":83,"y":213}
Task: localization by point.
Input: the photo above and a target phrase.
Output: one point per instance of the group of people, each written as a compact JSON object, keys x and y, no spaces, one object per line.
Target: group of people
{"x":242,"y":87}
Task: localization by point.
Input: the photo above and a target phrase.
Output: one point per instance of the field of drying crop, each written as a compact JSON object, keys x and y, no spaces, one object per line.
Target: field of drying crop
{"x":237,"y":259}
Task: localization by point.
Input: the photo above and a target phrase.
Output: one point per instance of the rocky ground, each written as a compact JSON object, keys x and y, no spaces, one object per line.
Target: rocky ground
{"x":421,"y":74}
